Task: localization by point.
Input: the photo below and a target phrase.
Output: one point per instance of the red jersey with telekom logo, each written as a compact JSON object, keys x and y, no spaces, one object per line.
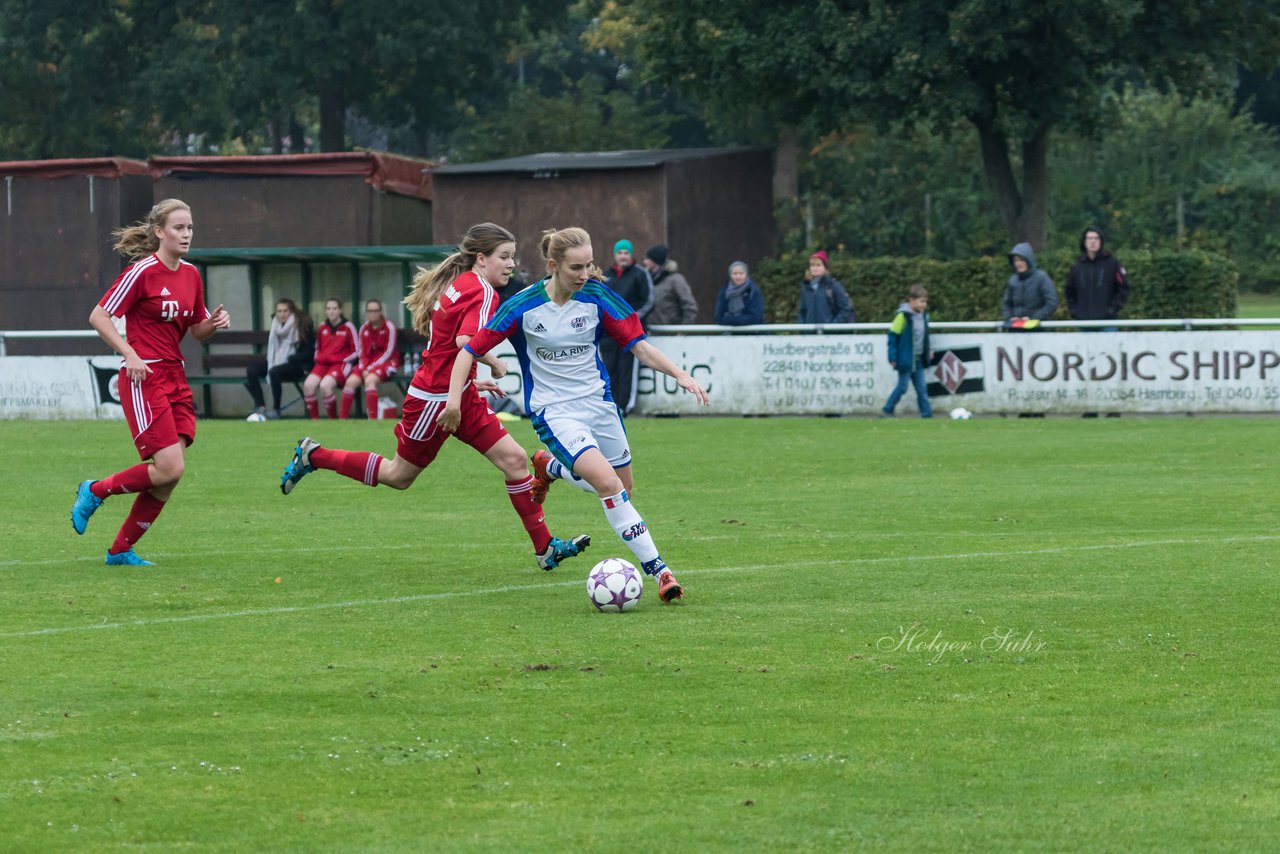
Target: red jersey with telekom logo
{"x":465,"y":306}
{"x":377,"y":345}
{"x":158,"y":305}
{"x":336,"y":344}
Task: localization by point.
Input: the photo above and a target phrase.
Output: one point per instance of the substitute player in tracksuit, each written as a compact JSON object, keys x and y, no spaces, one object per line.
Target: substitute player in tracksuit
{"x":449,"y":304}
{"x":159,"y":297}
{"x":378,"y":354}
{"x":555,"y":326}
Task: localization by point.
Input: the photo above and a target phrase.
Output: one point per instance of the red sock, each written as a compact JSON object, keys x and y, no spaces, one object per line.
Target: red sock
{"x":371,"y":402}
{"x":331,"y":407}
{"x":357,"y":465}
{"x":348,"y":399}
{"x":134,"y":479}
{"x":531,"y":515}
{"x":313,"y":409}
{"x":146,"y":507}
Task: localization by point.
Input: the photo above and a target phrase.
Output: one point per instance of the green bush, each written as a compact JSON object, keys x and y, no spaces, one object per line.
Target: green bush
{"x":1163,"y":284}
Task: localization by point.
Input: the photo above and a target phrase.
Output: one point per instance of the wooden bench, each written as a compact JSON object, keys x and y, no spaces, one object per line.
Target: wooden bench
{"x":231,"y":365}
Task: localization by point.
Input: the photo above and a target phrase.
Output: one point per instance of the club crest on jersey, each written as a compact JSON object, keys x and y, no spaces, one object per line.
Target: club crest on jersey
{"x":579,"y":323}
{"x":169,"y":309}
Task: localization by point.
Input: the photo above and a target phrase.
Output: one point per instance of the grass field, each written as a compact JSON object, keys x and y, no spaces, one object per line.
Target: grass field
{"x":992,"y":635}
{"x":1258,"y":305}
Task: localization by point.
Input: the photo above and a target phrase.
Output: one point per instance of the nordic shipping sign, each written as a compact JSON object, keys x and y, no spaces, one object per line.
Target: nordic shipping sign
{"x":1047,"y":372}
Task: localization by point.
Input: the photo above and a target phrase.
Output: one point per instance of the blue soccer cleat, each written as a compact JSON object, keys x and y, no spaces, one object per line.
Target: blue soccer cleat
{"x":86,"y":503}
{"x":559,"y":550}
{"x":128,"y":557}
{"x":300,"y":466}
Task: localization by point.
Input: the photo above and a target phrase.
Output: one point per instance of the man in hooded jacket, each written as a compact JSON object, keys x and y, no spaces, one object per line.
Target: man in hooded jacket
{"x":1030,"y":296}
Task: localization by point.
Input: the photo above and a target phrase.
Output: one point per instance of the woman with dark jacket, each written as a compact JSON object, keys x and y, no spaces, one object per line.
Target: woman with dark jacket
{"x":740,"y":302}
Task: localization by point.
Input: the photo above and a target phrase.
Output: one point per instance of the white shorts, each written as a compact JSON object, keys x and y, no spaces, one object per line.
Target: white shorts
{"x":569,"y":429}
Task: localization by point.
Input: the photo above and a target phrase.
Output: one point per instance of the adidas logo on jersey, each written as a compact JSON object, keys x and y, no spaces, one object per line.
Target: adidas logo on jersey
{"x":538,"y":327}
{"x":164,"y":292}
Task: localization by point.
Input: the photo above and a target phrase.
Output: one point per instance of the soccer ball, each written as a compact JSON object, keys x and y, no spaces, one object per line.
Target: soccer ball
{"x":256,"y":416}
{"x":960,"y":414}
{"x":615,"y":585}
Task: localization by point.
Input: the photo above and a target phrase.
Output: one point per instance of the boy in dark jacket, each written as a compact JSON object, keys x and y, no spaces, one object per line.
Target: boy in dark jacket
{"x":909,"y":351}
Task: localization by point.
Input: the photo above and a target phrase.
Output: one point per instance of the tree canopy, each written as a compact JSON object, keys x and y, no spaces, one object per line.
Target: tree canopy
{"x":1014,"y":72}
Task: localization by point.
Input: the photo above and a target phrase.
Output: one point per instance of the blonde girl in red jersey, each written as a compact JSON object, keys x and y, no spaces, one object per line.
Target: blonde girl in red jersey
{"x":159,"y":297}
{"x":378,"y":351}
{"x":450,"y":303}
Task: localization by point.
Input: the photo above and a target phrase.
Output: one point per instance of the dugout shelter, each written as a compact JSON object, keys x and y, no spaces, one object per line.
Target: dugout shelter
{"x":56,"y":259}
{"x":711,"y":206}
{"x":352,"y":198}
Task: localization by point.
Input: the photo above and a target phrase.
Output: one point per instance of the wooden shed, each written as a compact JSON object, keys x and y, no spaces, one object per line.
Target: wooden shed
{"x":55,"y":241}
{"x":711,"y":206}
{"x":354,"y":198}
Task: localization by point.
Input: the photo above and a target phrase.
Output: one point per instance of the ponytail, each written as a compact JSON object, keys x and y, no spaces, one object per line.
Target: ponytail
{"x":429,"y":284}
{"x":139,"y":240}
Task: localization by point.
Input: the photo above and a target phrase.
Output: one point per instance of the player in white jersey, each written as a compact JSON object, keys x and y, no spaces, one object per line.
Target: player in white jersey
{"x":555,"y":326}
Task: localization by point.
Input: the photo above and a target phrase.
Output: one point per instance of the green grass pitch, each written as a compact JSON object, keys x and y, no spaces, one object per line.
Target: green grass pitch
{"x":1049,"y":634}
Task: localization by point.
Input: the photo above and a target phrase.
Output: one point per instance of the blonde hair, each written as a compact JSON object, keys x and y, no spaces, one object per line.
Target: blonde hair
{"x":139,"y":240}
{"x":428,"y":284}
{"x":556,"y":242}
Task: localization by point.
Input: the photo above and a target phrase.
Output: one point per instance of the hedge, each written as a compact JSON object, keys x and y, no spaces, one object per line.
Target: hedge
{"x":1162,"y":284}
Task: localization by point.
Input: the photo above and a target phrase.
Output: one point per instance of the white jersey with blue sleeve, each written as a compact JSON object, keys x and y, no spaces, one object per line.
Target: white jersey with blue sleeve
{"x":556,"y":345}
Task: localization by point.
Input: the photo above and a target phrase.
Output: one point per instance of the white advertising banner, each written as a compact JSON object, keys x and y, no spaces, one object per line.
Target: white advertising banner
{"x":57,"y":387}
{"x":987,"y":373}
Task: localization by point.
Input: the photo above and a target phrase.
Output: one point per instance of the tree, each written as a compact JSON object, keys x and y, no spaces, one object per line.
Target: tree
{"x":1014,"y":72}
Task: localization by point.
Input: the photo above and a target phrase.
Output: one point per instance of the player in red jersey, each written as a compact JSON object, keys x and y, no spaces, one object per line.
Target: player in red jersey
{"x":336,"y":356}
{"x":450,"y":303}
{"x":378,"y":354}
{"x":158,"y":297}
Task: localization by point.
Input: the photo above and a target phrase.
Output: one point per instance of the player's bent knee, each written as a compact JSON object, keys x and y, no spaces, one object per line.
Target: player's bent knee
{"x":168,"y":475}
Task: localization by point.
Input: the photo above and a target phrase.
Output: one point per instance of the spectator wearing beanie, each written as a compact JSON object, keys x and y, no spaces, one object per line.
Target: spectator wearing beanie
{"x":822,"y":298}
{"x":630,"y":281}
{"x":673,"y":301}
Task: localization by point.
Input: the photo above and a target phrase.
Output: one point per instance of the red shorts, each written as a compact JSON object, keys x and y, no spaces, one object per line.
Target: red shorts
{"x":382,"y":372}
{"x":159,"y":409}
{"x":339,"y":371}
{"x":419,"y":437}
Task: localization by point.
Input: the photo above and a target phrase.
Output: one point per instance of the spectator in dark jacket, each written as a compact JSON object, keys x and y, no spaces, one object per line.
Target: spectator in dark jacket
{"x":822,"y":297}
{"x":1098,"y":285}
{"x":673,"y":300}
{"x":1029,"y":296}
{"x":740,"y":302}
{"x":631,"y":282}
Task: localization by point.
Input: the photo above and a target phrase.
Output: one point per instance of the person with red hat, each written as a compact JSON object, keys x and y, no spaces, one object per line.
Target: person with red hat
{"x":822,"y":298}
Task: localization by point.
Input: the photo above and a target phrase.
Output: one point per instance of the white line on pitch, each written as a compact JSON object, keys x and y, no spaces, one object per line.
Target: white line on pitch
{"x":516,"y":588}
{"x":388,"y":547}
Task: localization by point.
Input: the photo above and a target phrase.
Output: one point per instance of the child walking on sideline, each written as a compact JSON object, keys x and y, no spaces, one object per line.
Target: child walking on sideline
{"x":909,"y":351}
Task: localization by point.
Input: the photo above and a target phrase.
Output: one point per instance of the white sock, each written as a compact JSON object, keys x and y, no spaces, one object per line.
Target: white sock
{"x":627,"y":522}
{"x":557,"y":470}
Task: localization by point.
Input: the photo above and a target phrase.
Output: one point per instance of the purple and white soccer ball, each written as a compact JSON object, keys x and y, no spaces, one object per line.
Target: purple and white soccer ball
{"x":615,"y":585}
